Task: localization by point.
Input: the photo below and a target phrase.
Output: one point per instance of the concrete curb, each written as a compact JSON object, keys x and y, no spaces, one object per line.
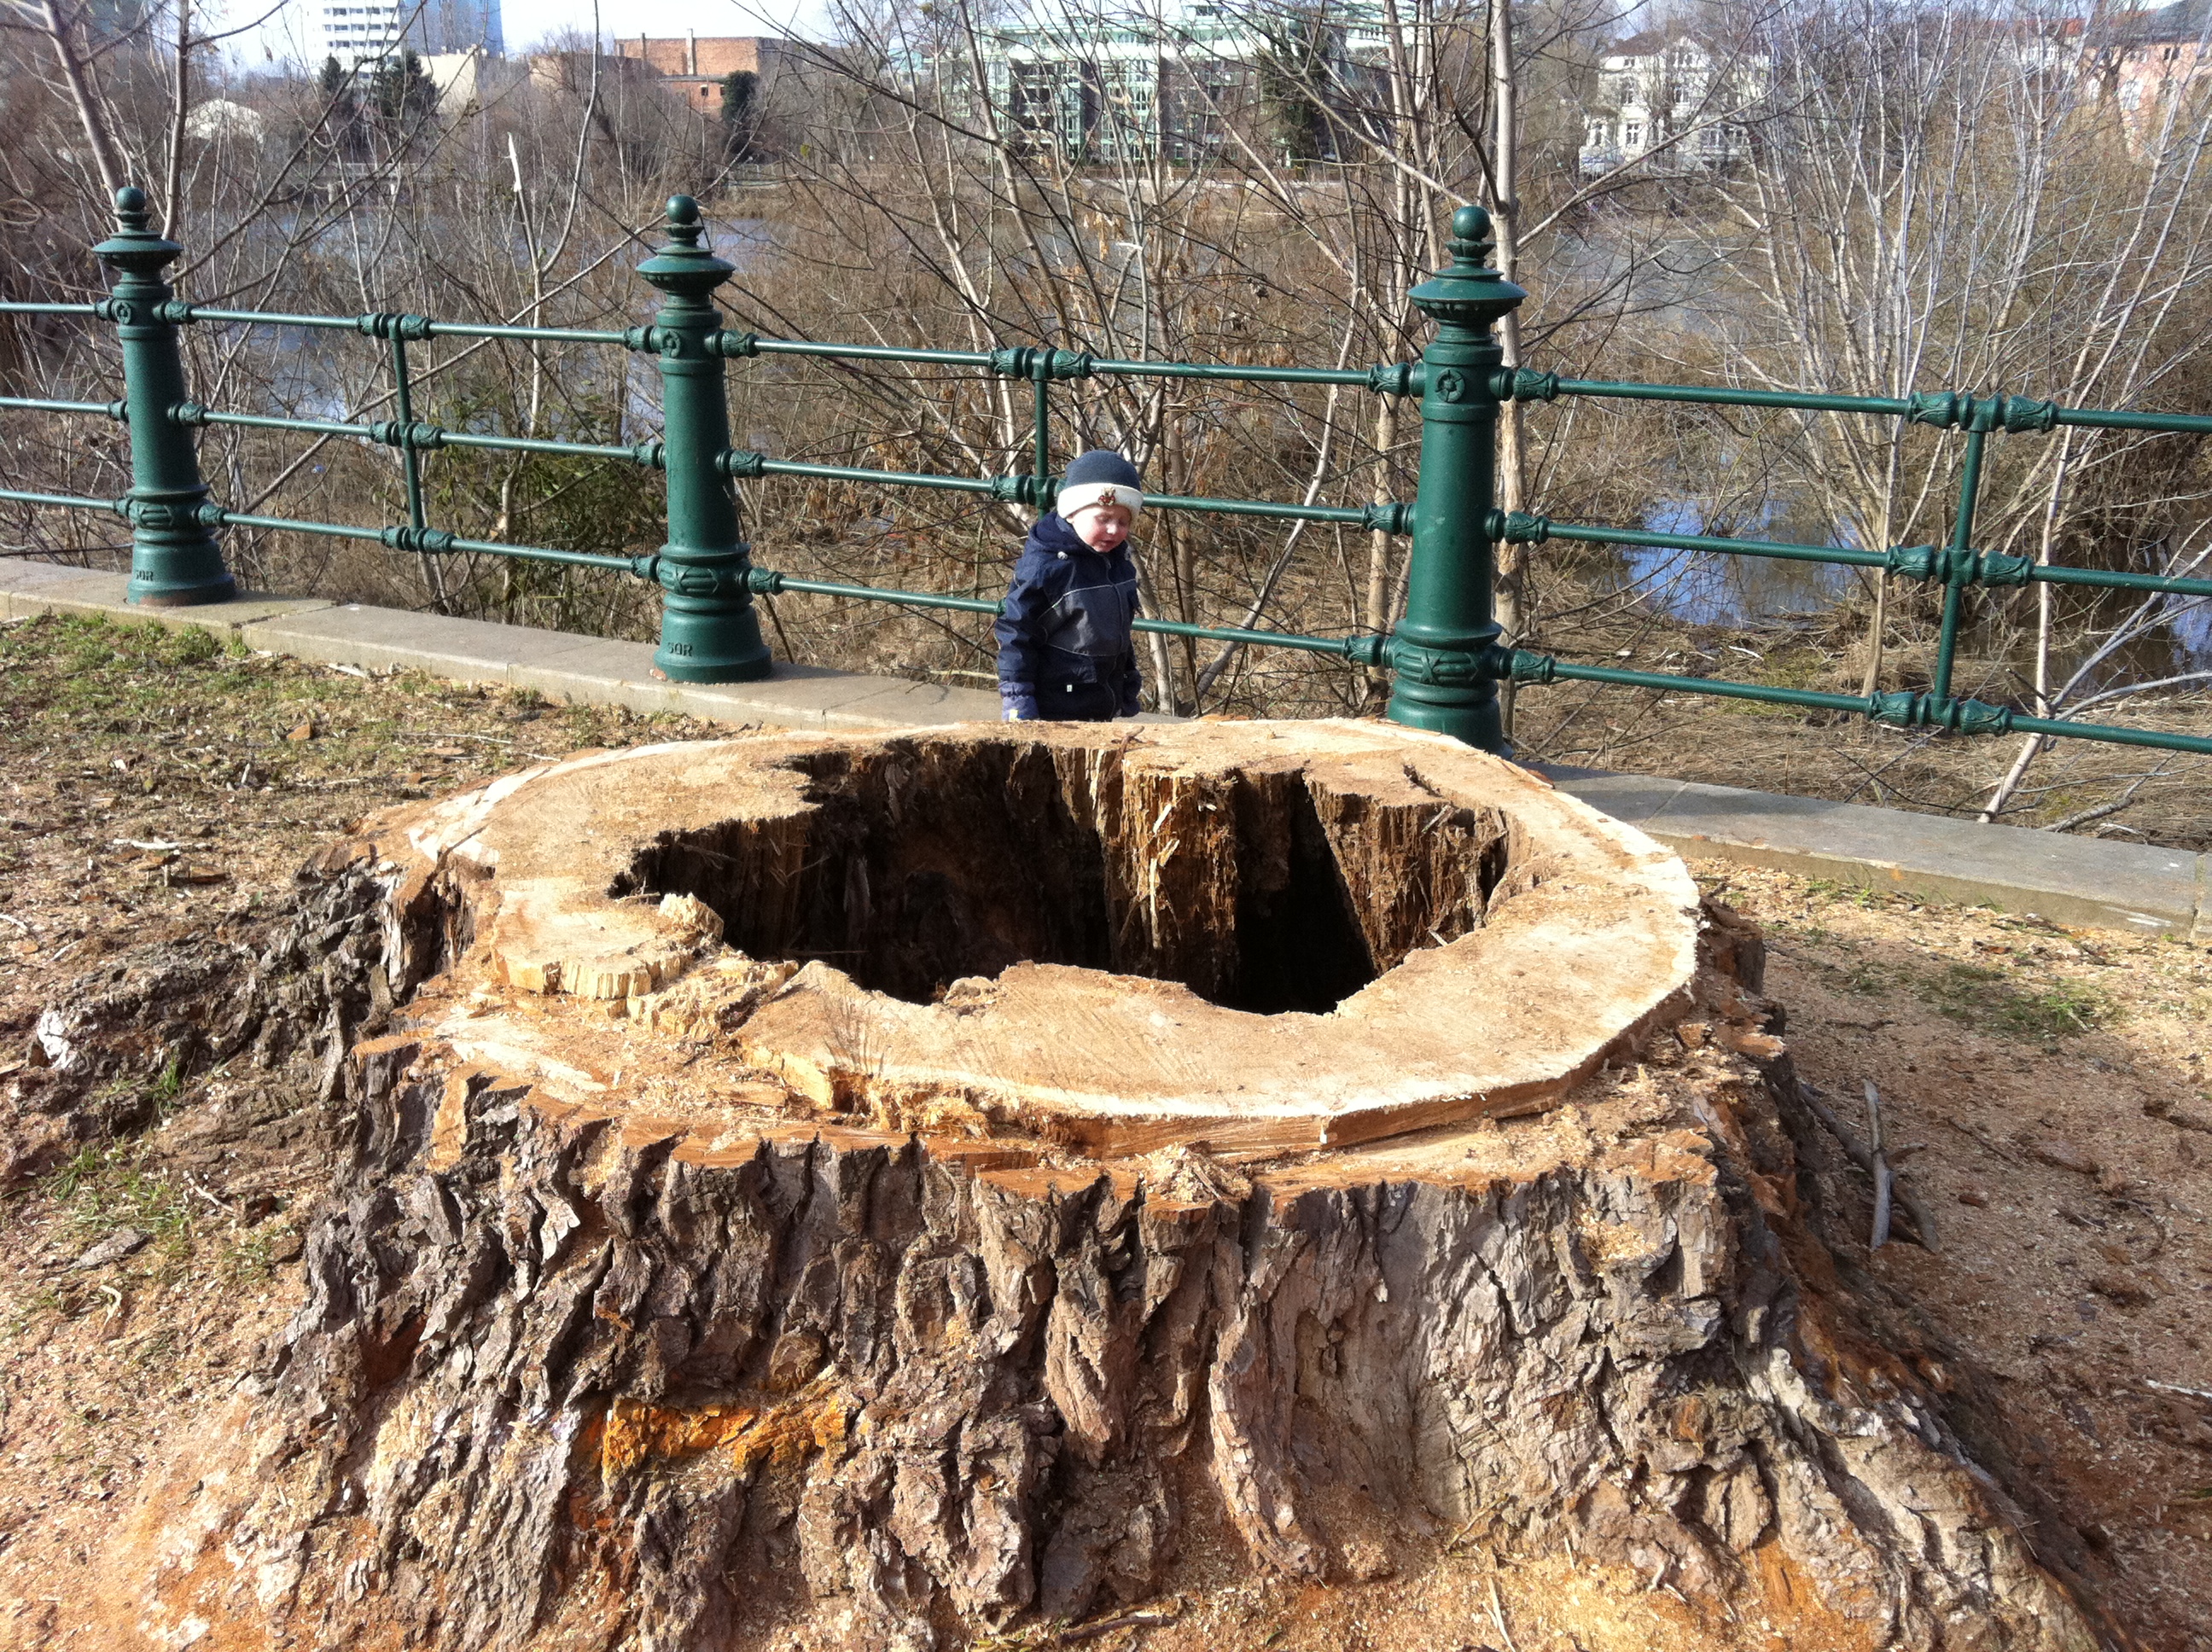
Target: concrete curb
{"x":2082,"y":881}
{"x":2070,"y":880}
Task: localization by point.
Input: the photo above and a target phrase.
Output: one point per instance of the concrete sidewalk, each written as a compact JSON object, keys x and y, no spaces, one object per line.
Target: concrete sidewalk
{"x":2070,"y":880}
{"x":559,"y":665}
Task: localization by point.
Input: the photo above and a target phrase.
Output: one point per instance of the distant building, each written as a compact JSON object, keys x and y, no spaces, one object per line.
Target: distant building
{"x":2145,"y":60}
{"x":362,"y":33}
{"x":694,"y":68}
{"x":1654,"y":87}
{"x":1114,"y":92}
{"x":218,"y":119}
{"x":462,"y":78}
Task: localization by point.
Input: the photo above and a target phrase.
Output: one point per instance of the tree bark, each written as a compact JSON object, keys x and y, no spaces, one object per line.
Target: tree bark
{"x":636,"y":1359}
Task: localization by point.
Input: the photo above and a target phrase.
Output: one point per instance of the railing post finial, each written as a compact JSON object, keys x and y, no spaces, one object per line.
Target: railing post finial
{"x":709,"y":632}
{"x":1444,"y":652}
{"x":175,"y":558}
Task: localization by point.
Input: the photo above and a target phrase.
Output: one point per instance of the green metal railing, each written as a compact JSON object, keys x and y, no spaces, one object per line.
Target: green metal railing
{"x":1445,"y":655}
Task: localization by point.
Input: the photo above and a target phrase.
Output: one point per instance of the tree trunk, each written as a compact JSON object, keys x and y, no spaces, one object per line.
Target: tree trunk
{"x":880,"y":1188}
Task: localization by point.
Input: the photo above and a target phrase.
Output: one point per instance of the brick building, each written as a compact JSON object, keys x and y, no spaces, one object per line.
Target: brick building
{"x":694,"y":67}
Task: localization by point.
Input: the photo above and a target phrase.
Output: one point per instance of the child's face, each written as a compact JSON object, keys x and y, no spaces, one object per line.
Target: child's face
{"x":1101,"y":527}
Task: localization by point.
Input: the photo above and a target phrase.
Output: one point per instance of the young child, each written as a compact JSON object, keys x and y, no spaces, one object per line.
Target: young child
{"x":1064,"y":650}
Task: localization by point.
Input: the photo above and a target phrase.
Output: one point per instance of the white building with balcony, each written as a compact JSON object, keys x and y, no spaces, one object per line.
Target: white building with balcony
{"x":1104,"y":91}
{"x":363,"y":33}
{"x":1671,"y":103}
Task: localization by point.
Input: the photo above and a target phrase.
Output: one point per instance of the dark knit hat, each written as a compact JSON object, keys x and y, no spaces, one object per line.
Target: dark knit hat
{"x":1101,"y":477}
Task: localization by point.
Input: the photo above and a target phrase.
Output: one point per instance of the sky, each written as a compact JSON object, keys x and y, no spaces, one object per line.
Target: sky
{"x":290,"y":32}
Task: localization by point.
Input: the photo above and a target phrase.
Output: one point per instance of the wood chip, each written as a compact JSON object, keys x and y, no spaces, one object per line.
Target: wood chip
{"x":117,"y":1245}
{"x":2062,"y":1155}
{"x":2129,"y":1290}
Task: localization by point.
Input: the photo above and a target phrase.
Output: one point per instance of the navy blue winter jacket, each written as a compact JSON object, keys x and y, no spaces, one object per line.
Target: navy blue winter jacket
{"x":1066,"y":623}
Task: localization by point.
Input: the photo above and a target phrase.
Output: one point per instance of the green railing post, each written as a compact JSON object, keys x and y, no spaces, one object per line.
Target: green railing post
{"x":708,"y":630}
{"x":1444,"y":652}
{"x":175,"y":558}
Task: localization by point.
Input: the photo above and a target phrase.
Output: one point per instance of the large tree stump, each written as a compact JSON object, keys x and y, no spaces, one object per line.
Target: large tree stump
{"x":881,"y":1187}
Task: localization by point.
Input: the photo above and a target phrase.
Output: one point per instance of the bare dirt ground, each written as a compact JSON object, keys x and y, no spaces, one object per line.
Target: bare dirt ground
{"x":154,"y":787}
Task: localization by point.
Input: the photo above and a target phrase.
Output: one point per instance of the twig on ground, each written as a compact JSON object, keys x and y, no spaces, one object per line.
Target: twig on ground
{"x":1885,"y":1178}
{"x":1861,"y":1155}
{"x":18,"y":922}
{"x":2177,"y":1387}
{"x":1091,"y":1630}
{"x":1497,"y":1617}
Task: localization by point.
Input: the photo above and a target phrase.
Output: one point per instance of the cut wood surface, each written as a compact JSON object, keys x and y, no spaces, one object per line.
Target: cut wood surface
{"x":1262,"y":936}
{"x":684,"y":1291}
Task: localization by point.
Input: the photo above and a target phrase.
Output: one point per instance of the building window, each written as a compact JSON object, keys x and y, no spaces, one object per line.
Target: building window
{"x":1631,"y":135}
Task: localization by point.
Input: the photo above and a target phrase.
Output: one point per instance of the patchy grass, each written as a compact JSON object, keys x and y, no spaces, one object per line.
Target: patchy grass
{"x":111,"y":1186}
{"x":2024,"y":988}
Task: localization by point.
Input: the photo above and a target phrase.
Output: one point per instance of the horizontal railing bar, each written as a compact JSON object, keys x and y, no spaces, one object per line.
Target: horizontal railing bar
{"x":429,"y":328}
{"x":1717,"y":396}
{"x":446,"y":545}
{"x":1259,"y":508}
{"x":1860,"y":705}
{"x":2105,"y":418}
{"x":1343,"y":647}
{"x":2040,"y":574}
{"x":859,"y":473}
{"x":1781,"y":550}
{"x":871,"y":352}
{"x":763,"y":346}
{"x":2118,"y":580}
{"x":547,"y":553}
{"x":1360,"y":376}
{"x":289,"y":524}
{"x":345,"y":531}
{"x":2044,"y":413}
{"x":536,"y":445}
{"x":1669,"y":683}
{"x":434,"y":436}
{"x":36,"y":405}
{"x":278,"y":318}
{"x":67,"y":501}
{"x":772,"y":584}
{"x":767,"y":582}
{"x":17,"y":307}
{"x":270,"y":421}
{"x":541,"y":335}
{"x":744,"y":462}
{"x":2111,"y":734}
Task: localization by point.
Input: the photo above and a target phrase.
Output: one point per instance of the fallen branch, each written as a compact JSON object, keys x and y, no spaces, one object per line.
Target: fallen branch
{"x":2177,"y":1387}
{"x":1885,"y":1178}
{"x":1497,"y":1617}
{"x":1862,"y":1156}
{"x":1107,"y":1625}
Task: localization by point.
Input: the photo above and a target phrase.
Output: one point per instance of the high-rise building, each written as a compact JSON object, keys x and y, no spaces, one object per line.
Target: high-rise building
{"x":361,"y":33}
